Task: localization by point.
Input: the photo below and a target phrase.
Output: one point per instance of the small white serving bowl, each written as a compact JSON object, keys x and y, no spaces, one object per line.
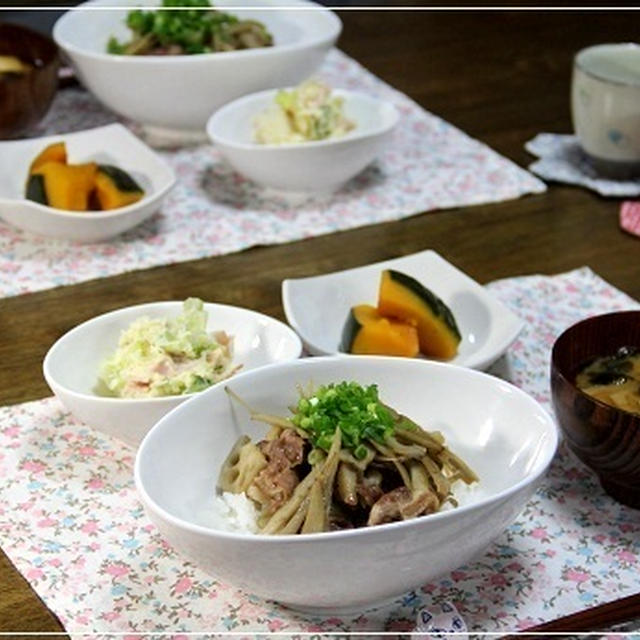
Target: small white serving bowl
{"x":179,"y":93}
{"x":72,"y":364}
{"x":319,"y":166}
{"x":486,"y":325}
{"x":111,"y":144}
{"x":501,"y":432}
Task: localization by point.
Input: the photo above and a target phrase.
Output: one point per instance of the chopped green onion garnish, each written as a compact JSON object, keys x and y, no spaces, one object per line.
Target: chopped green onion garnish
{"x":354,"y":409}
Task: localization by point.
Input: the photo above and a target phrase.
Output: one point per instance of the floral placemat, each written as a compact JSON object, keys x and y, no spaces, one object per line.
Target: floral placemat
{"x":212,"y":211}
{"x":71,"y":522}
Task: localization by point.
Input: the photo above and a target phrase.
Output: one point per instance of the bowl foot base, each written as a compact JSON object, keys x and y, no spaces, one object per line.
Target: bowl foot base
{"x":165,"y":137}
{"x":332,"y":611}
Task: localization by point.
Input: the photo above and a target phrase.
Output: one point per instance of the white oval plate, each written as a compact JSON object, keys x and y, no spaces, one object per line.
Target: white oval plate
{"x":111,"y":144}
{"x":317,"y":307}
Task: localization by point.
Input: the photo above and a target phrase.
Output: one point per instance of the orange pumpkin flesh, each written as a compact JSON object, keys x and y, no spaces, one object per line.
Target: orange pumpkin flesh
{"x":115,"y":188}
{"x":78,"y":187}
{"x":404,"y":298}
{"x":56,"y":152}
{"x":367,"y":332}
{"x":68,"y":186}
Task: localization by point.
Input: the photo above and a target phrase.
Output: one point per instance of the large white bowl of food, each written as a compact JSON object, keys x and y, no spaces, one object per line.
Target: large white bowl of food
{"x":291,"y":473}
{"x":120,"y":372}
{"x":172,"y":69}
{"x":311,"y":138}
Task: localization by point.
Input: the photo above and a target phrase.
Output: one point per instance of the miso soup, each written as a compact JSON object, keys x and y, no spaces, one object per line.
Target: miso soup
{"x":614,"y":379}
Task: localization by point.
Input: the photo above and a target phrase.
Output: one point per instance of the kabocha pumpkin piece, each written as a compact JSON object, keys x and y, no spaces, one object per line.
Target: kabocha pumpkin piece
{"x":367,"y":332}
{"x":63,"y":186}
{"x":116,"y":188}
{"x":56,"y":152}
{"x":403,"y":297}
{"x":35,"y":188}
{"x":78,"y":187}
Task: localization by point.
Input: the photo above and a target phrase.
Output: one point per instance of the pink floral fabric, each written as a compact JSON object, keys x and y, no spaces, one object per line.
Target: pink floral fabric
{"x":212,"y":211}
{"x":72,"y":524}
{"x":630,"y":217}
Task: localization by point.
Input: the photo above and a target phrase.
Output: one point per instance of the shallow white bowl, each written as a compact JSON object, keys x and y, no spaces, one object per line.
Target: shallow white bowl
{"x":319,"y":166}
{"x":112,"y":144}
{"x":504,"y":434}
{"x":72,"y":363}
{"x":486,"y":325}
{"x":181,"y":92}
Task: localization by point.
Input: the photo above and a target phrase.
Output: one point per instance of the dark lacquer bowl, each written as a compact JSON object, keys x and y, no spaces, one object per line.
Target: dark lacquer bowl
{"x":26,"y":97}
{"x":604,"y":438}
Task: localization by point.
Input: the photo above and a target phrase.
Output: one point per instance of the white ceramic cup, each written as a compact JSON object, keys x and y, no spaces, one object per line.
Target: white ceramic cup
{"x":605,"y":105}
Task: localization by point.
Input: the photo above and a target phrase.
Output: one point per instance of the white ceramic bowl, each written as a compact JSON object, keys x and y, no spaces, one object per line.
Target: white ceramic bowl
{"x":504,"y":434}
{"x":181,"y":92}
{"x":319,"y":166}
{"x":112,"y":144}
{"x":72,"y":363}
{"x":486,"y":325}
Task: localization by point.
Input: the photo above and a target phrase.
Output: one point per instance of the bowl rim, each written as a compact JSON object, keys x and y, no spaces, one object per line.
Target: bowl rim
{"x":580,"y":63}
{"x":201,"y":530}
{"x":40,"y":85}
{"x":86,"y":217}
{"x":333,"y":32}
{"x":112,"y":400}
{"x":379,"y":129}
{"x":558,"y":371}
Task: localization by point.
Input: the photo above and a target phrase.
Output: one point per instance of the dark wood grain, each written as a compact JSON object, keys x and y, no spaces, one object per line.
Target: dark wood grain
{"x":597,"y":618}
{"x":500,"y":76}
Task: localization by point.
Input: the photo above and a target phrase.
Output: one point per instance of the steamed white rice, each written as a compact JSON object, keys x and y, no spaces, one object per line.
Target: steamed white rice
{"x":464,"y":494}
{"x":236,"y":513}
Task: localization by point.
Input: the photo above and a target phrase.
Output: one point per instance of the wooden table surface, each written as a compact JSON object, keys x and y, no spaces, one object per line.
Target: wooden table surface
{"x":500,"y":76}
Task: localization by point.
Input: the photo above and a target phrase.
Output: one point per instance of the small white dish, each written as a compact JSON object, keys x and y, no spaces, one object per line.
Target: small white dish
{"x":111,"y":144}
{"x":486,"y":325}
{"x":72,"y":364}
{"x":178,"y":463}
{"x":319,"y":166}
{"x":173,"y":96}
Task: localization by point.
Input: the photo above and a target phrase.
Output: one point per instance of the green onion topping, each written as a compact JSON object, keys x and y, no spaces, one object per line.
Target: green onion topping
{"x":354,"y":409}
